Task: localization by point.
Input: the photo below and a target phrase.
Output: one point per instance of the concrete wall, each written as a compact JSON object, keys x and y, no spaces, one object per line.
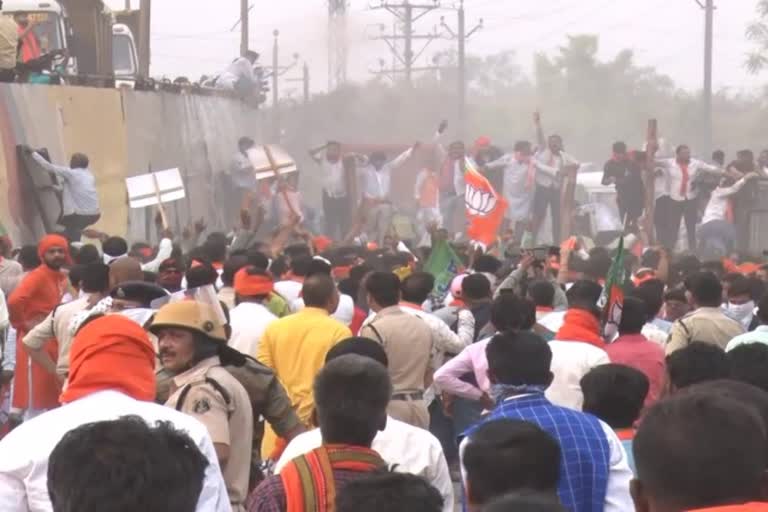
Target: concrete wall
{"x":124,"y":133}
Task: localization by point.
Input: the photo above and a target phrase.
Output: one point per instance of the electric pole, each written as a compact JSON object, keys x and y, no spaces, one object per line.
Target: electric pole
{"x":337,"y":43}
{"x":407,"y":13}
{"x":709,"y":9}
{"x":461,"y":35}
{"x":304,"y":81}
{"x":275,"y":94}
{"x":276,"y":73}
{"x":244,"y":26}
{"x":145,"y":29}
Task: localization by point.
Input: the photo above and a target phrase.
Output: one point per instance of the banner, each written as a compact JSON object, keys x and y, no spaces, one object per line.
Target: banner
{"x":444,"y":264}
{"x":484,"y":206}
{"x":612,"y":299}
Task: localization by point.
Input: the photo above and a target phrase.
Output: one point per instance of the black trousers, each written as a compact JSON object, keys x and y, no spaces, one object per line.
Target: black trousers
{"x":543,"y":198}
{"x":337,"y":215}
{"x":7,"y":75}
{"x":667,"y":217}
{"x":74,"y":225}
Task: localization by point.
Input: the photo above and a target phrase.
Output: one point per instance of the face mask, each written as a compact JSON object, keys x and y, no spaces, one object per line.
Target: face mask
{"x":139,"y":315}
{"x":741,"y":312}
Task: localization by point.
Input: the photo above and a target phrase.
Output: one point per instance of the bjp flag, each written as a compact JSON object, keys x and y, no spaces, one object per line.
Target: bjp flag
{"x":484,"y":206}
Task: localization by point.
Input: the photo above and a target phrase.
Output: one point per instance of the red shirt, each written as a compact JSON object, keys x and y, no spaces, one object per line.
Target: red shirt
{"x":636,"y":351}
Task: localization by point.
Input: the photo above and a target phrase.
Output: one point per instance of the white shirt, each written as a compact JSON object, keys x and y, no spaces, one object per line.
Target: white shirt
{"x":603,"y":216}
{"x":24,"y":451}
{"x":237,"y":69}
{"x":334,"y":182}
{"x":377,"y":182}
{"x":164,"y":251}
{"x":759,"y":335}
{"x":718,"y":202}
{"x":571,"y":360}
{"x":548,"y":166}
{"x":617,"y":497}
{"x":249,"y":320}
{"x":553,"y":321}
{"x":344,"y":313}
{"x":78,"y":195}
{"x":413,"y":450}
{"x":3,"y":313}
{"x":674,"y":177}
{"x":289,"y":290}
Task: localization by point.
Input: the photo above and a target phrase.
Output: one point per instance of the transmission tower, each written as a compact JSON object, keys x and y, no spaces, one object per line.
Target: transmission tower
{"x":337,"y":43}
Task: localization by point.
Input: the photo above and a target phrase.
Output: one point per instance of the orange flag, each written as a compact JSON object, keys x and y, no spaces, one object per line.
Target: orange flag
{"x":485,"y":207}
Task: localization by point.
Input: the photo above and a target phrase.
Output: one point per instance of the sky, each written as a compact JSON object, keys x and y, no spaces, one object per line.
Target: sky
{"x":191,"y":38}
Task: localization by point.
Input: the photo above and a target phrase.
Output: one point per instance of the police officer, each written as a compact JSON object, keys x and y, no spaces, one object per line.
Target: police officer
{"x":192,"y":344}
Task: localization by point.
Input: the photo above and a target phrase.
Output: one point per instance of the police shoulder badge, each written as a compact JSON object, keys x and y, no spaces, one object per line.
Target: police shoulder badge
{"x":202,"y":406}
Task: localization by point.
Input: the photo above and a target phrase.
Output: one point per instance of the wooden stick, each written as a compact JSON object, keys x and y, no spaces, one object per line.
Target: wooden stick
{"x":160,"y":207}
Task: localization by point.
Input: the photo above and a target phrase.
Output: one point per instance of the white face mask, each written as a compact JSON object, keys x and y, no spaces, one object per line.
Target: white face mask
{"x":741,"y":312}
{"x":139,"y":315}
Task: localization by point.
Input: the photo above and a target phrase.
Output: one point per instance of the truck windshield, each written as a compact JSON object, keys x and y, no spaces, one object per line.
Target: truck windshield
{"x":123,"y":55}
{"x":45,"y":35}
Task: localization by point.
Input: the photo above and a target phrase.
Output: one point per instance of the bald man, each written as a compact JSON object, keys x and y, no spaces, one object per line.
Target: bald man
{"x":295,"y":347}
{"x":124,"y":269}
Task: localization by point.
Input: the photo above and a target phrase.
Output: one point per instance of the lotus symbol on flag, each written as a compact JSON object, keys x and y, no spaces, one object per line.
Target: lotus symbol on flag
{"x":479,"y":202}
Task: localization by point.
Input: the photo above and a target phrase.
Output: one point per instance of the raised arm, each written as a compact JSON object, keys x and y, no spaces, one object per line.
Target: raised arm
{"x":314,"y":153}
{"x":540,"y":138}
{"x":499,"y":163}
{"x":58,"y":170}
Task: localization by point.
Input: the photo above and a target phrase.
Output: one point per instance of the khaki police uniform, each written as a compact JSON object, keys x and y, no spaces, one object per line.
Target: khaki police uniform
{"x":212,"y":395}
{"x":407,"y":340}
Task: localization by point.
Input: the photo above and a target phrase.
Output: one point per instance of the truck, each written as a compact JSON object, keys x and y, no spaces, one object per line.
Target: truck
{"x":125,"y":61}
{"x":50,"y":27}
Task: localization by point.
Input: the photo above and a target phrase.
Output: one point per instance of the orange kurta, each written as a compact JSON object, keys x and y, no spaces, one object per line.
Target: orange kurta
{"x":36,"y":296}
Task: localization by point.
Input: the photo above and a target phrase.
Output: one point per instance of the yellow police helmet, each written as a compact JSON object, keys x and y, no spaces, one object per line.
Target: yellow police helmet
{"x":192,"y":315}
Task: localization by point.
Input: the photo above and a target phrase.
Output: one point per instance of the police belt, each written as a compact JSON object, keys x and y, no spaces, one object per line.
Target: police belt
{"x":408,"y":396}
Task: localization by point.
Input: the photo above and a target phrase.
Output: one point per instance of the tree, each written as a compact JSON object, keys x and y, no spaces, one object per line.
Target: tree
{"x":757,"y":32}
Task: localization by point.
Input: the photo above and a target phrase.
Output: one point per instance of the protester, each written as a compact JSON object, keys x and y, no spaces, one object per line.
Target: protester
{"x":56,"y":325}
{"x":506,"y":455}
{"x":406,"y":448}
{"x":408,"y":342}
{"x":681,"y":173}
{"x":675,"y":305}
{"x":677,"y":472}
{"x":351,"y":393}
{"x":697,"y":362}
{"x":10,"y":269}
{"x":749,"y":363}
{"x":633,"y":349}
{"x":290,"y":288}
{"x":389,"y":492}
{"x":138,"y":467}
{"x":80,"y":199}
{"x":336,"y":201}
{"x":519,"y":182}
{"x":306,"y":336}
{"x":717,"y":232}
{"x":578,"y":346}
{"x":111,"y":375}
{"x":35,"y":389}
{"x":760,"y":333}
{"x":594,"y":471}
{"x":740,"y":304}
{"x":623,"y":171}
{"x":239,"y":75}
{"x":250,"y":317}
{"x":527,"y":500}
{"x":169,"y":275}
{"x":376,"y":195}
{"x":616,"y":394}
{"x":542,"y":293}
{"x":193,"y":347}
{"x":651,"y":292}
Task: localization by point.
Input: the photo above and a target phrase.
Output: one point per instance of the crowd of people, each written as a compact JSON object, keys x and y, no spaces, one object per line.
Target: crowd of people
{"x":279,"y":370}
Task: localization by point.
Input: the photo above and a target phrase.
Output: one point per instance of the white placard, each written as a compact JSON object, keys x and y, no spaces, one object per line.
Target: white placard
{"x":142,"y":192}
{"x":263,"y":167}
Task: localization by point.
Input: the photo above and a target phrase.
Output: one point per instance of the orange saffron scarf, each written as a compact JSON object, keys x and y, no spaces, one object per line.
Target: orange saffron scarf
{"x":581,"y":325}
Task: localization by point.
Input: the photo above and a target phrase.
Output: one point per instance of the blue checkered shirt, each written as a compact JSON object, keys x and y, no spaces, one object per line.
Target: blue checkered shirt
{"x":585,"y":452}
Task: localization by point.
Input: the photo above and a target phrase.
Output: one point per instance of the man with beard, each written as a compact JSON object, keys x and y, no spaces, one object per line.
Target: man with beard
{"x":680,"y":174}
{"x":34,"y":389}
